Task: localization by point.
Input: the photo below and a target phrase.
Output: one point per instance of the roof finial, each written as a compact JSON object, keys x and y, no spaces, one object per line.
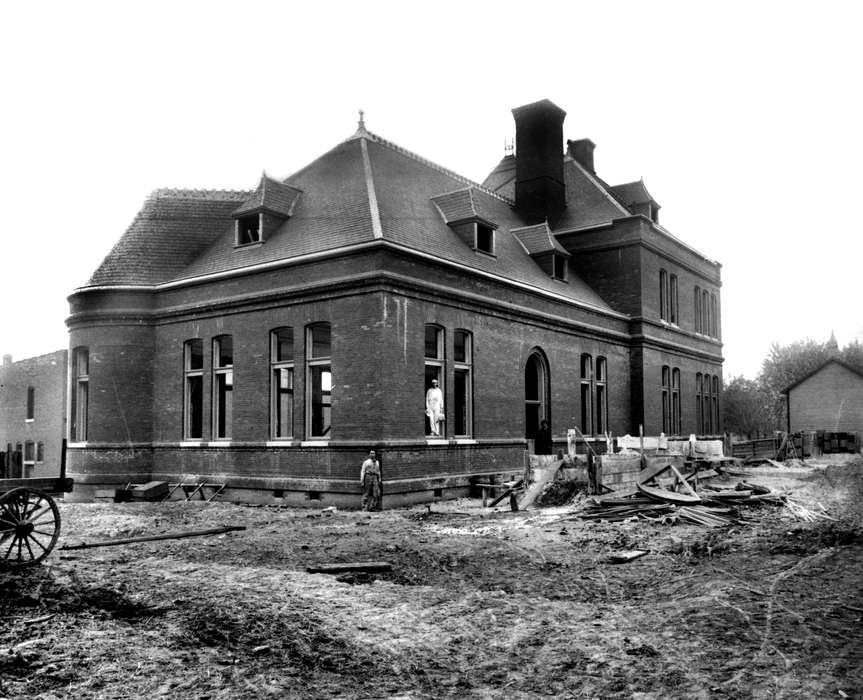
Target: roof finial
{"x":361,"y":124}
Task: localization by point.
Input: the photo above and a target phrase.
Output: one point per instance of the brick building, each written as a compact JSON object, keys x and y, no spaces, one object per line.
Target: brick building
{"x":830,"y":398}
{"x":32,"y":415}
{"x":267,"y":339}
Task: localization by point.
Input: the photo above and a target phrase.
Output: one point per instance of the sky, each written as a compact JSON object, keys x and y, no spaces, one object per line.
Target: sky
{"x":743,"y":118}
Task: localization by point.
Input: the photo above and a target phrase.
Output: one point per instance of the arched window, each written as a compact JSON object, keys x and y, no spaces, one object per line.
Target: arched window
{"x":282,"y":383}
{"x":536,"y":382}
{"x":319,"y":381}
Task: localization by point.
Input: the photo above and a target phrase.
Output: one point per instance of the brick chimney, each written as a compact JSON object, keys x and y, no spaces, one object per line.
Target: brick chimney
{"x":540,"y":193}
{"x":582,"y":153}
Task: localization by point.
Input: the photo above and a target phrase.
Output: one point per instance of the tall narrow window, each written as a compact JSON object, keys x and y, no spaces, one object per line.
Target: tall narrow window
{"x":282,"y":382}
{"x":29,"y":460}
{"x":80,"y":393}
{"x":714,"y":317}
{"x":319,"y":381}
{"x":485,"y":239}
{"x":705,"y":312}
{"x":536,"y":383}
{"x":40,"y":452}
{"x":193,"y":400}
{"x":699,"y":390}
{"x":675,"y":401}
{"x":434,"y":366}
{"x":223,"y":386}
{"x":714,"y":399}
{"x":462,"y":388}
{"x":31,"y":403}
{"x":587,"y":422}
{"x":706,"y":413}
{"x":697,"y":310}
{"x":666,"y":399}
{"x":663,"y":295}
{"x":672,"y":299}
{"x":559,"y":267}
{"x":601,"y":384}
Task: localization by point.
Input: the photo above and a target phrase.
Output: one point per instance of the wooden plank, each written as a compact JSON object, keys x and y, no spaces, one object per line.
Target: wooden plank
{"x":346,"y":567}
{"x":683,"y":482}
{"x":619,"y":493}
{"x":50,"y":485}
{"x":154,"y":538}
{"x":670,"y":496}
{"x":647,"y":474}
{"x":623,"y":557}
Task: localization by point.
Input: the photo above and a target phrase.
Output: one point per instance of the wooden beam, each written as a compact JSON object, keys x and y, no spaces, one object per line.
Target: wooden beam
{"x":369,"y":567}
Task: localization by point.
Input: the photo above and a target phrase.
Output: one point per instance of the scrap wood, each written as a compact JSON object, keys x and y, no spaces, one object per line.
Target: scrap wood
{"x":623,"y":557}
{"x":507,"y":492}
{"x":703,"y":516}
{"x":670,"y":496}
{"x":153,"y":538}
{"x":683,"y":482}
{"x":702,"y":474}
{"x":369,"y":567}
{"x":801,"y":512}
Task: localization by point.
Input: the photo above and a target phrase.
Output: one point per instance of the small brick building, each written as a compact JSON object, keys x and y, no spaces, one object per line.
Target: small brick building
{"x":32,"y":415}
{"x":828,"y":399}
{"x":267,"y":339}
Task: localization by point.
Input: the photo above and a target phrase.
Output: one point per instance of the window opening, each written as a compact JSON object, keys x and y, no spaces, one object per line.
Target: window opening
{"x":463,"y":361}
{"x":535,"y":394}
{"x":666,"y":399}
{"x":248,"y":229}
{"x":319,"y":385}
{"x":223,"y":386}
{"x":698,"y":328}
{"x":675,"y":402}
{"x":559,"y":267}
{"x":672,"y":300}
{"x":663,"y":295}
{"x":485,"y":239}
{"x":282,"y":382}
{"x":586,"y":385}
{"x":600,"y":388}
{"x":31,"y":402}
{"x":80,"y":393}
{"x":434,"y":376}
{"x":193,"y":403}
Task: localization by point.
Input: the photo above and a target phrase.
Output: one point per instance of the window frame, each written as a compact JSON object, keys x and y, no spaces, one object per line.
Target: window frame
{"x":676,"y":417}
{"x":463,"y":400}
{"x":80,"y":394}
{"x":193,"y":375}
{"x":255,"y":235}
{"x":278,"y":366}
{"x":559,"y":260}
{"x":665,"y":381}
{"x":434,"y":367}
{"x":222,"y":387}
{"x":322,"y":364}
{"x":480,"y":228}
{"x":586,"y":394}
{"x":600,"y":387}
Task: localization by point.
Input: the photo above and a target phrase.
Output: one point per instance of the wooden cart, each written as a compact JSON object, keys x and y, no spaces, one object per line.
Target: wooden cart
{"x":29,"y":517}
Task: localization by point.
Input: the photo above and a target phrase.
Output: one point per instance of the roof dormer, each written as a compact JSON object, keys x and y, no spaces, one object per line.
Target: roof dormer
{"x":635,"y":197}
{"x":460,"y":211}
{"x":544,"y":248}
{"x":268,"y":208}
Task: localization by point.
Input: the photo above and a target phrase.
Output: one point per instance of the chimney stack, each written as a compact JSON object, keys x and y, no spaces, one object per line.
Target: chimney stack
{"x":582,"y":153}
{"x":540,"y":193}
{"x":7,"y":360}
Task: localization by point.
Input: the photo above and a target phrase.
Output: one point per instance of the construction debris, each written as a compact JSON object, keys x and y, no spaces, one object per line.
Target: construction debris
{"x":154,"y":538}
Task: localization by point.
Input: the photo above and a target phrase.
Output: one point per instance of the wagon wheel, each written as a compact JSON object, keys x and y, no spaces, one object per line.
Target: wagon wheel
{"x":29,"y":526}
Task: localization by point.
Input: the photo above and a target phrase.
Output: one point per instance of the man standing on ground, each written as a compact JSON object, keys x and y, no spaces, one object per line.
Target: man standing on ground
{"x":370,"y":478}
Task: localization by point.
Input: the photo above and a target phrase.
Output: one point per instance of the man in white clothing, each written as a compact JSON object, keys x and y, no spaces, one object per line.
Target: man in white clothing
{"x":434,"y":407}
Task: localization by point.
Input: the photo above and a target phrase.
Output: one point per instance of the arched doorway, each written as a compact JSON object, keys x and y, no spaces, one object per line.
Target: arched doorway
{"x":536,"y":393}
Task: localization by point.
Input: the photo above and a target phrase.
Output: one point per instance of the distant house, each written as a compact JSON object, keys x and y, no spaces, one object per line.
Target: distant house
{"x":32,"y":415}
{"x":828,"y":399}
{"x":266,"y":339}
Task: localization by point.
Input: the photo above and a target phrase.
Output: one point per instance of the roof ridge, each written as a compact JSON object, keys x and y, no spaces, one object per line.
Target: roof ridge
{"x":179,"y":193}
{"x":366,"y":134}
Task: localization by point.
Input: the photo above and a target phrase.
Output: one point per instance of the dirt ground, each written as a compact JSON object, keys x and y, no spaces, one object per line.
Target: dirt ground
{"x":479,"y":604}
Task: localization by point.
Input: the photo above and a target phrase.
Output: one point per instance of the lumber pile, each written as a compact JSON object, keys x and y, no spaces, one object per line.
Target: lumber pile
{"x":667,"y":495}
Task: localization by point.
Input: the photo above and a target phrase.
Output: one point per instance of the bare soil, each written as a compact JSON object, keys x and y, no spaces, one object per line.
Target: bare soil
{"x":479,"y":603}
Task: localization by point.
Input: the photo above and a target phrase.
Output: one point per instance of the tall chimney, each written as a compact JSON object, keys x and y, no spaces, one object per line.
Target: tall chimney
{"x":582,"y":153}
{"x":540,"y":193}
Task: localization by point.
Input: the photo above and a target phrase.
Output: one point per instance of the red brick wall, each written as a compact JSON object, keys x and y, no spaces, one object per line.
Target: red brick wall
{"x":830,"y":400}
{"x":47,"y":375}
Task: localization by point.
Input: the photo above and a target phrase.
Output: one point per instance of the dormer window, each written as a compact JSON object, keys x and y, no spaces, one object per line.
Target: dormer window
{"x":484,"y":239}
{"x":249,"y":229}
{"x":559,"y":267}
